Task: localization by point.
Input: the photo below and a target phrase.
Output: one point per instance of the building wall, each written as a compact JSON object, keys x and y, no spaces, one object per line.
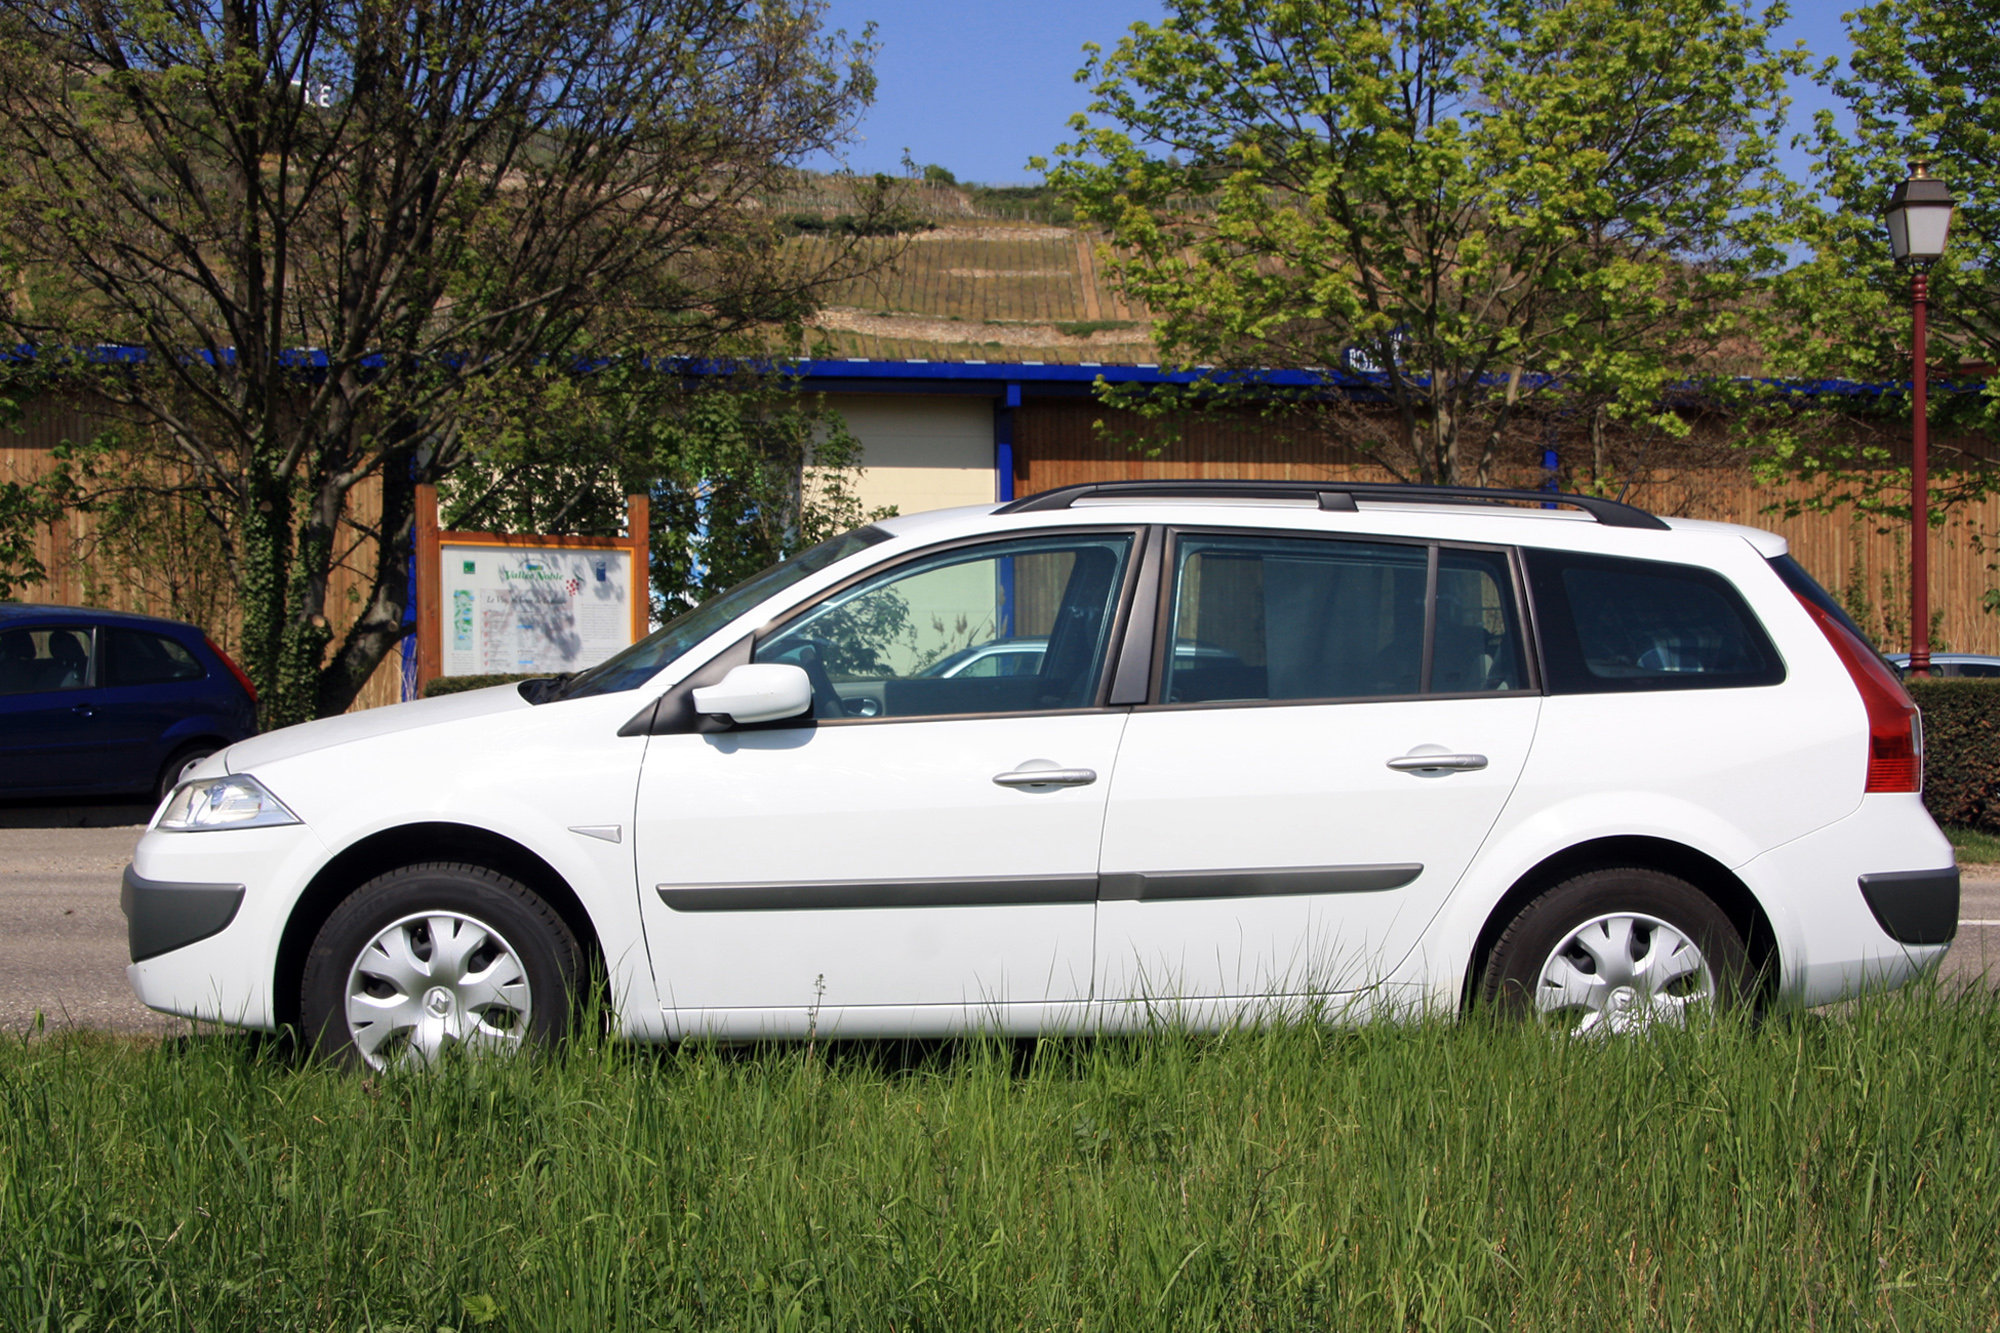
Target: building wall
{"x":921,"y":451}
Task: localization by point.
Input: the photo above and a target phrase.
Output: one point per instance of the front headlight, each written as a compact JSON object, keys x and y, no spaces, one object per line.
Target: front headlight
{"x":218,"y":803}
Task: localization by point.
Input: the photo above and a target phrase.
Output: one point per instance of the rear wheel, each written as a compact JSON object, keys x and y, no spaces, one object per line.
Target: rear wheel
{"x":433,"y":959}
{"x":1618,"y":950}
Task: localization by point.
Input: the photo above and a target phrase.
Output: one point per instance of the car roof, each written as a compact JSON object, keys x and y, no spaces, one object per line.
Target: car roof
{"x":51,"y":613}
{"x":1504,"y":524}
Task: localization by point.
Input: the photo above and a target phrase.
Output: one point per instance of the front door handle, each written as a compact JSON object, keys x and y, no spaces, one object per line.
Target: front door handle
{"x":1437,"y":763}
{"x":84,"y":710}
{"x":1047,"y":777}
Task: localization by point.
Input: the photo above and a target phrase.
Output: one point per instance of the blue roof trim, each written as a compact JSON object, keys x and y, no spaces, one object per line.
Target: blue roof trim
{"x":858,"y":375}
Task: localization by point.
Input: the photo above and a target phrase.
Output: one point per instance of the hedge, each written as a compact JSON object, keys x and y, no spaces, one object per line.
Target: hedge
{"x":1961,"y":750}
{"x":454,"y":684}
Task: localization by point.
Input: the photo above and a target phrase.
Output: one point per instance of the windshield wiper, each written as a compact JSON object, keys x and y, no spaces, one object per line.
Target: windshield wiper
{"x":545,"y":689}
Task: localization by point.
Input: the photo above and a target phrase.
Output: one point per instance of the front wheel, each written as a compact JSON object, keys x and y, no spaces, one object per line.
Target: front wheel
{"x":1618,"y":950}
{"x":435,"y":958}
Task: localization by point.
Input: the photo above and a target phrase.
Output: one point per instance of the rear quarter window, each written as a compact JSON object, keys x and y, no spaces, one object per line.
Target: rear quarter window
{"x":1610,"y":625}
{"x":135,"y":657}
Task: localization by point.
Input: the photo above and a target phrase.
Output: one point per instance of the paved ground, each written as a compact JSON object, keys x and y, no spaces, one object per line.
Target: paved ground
{"x":62,"y":937}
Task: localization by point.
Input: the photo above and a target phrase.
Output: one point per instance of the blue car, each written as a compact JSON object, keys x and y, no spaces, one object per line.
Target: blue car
{"x":107,"y":703}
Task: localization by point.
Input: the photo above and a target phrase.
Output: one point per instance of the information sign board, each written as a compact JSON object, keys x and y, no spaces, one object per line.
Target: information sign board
{"x":493,"y":603}
{"x":511,"y":609}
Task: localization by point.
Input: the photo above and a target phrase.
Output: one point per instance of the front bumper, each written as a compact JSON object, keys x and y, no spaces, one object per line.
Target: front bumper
{"x":206,"y":914}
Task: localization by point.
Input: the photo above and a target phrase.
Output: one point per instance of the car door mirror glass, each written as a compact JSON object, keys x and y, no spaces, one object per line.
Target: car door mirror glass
{"x":758,"y":692}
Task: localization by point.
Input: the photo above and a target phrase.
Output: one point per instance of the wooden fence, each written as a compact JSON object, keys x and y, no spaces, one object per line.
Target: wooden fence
{"x":1059,"y":444}
{"x":85,"y":568}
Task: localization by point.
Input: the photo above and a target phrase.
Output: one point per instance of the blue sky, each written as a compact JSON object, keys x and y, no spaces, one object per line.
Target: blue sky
{"x":980,"y":87}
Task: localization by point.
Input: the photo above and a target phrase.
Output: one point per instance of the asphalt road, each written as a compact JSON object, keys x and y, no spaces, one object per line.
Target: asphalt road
{"x":62,"y":937}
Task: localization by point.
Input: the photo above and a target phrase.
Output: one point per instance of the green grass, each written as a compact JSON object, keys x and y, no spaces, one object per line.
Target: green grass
{"x":1974,"y":847}
{"x":1811,"y":1172}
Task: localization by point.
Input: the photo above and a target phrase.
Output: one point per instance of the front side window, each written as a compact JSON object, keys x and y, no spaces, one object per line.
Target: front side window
{"x":1005,"y":627}
{"x":33,"y":661}
{"x":633,"y":667}
{"x":1280,"y":619}
{"x":1612,"y":625}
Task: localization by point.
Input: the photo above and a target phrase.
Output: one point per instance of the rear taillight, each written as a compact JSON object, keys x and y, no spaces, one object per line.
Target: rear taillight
{"x":244,"y":680}
{"x":1895,"y":728}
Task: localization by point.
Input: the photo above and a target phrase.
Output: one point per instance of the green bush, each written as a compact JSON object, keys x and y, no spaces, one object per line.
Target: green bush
{"x":1961,"y":750}
{"x":457,"y":684}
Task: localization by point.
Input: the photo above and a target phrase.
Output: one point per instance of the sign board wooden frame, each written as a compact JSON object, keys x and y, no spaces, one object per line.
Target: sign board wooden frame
{"x":431,"y":541}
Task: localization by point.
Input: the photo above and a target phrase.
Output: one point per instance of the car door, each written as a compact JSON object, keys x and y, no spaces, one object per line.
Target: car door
{"x":147,"y":682}
{"x":49,"y":733}
{"x":1298,"y":798}
{"x":922,"y":852}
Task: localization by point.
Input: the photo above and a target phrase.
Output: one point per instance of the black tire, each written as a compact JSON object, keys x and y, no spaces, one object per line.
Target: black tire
{"x":1513,"y":978}
{"x":177,"y":763}
{"x":526,"y":936}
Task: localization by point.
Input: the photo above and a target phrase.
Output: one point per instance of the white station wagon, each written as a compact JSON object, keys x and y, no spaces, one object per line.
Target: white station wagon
{"x":1437,"y":747}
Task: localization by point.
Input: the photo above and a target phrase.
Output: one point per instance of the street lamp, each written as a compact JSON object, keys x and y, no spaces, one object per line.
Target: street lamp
{"x":1919,"y":222}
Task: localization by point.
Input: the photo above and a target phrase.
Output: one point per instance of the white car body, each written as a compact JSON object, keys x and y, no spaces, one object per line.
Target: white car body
{"x":1756,"y":791}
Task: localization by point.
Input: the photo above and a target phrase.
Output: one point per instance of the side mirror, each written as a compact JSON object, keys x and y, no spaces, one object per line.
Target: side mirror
{"x":759,"y":692}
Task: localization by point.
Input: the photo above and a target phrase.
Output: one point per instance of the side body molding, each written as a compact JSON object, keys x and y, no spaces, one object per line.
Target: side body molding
{"x":1005,"y":890}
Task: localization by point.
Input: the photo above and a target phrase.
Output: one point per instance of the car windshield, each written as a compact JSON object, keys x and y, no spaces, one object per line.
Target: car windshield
{"x":643,"y":660}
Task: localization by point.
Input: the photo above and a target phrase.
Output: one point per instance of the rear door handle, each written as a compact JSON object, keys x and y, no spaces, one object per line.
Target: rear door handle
{"x":1437,"y":763}
{"x":1047,"y":777}
{"x":84,"y":710}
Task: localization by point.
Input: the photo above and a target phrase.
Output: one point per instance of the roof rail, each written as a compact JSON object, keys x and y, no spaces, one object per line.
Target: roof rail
{"x":1333,"y":495}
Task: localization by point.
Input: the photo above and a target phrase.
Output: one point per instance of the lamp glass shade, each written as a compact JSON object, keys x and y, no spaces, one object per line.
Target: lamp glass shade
{"x":1927,"y":226}
{"x":1919,"y":219}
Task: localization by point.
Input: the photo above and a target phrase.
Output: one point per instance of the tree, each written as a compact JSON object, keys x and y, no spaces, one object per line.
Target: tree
{"x":1473,"y":204}
{"x":741,"y":471}
{"x":1923,"y":83}
{"x":321,"y":225}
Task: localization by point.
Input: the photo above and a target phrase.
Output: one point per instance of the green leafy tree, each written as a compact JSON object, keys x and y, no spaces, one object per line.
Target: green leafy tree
{"x":320,"y":226}
{"x":1922,"y":83}
{"x":1483,"y":204}
{"x":740,"y":471}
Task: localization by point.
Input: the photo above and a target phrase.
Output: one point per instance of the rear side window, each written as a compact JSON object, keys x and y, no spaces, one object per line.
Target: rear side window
{"x":1611,"y":625}
{"x":1284,"y":619}
{"x":135,"y":657}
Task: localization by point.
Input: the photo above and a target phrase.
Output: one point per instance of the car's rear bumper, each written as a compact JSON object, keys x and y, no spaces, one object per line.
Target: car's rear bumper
{"x":1866,"y":903}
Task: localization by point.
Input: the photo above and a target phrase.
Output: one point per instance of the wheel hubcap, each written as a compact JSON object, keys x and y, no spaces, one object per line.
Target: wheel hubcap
{"x":1623,"y":972}
{"x":433,"y":982}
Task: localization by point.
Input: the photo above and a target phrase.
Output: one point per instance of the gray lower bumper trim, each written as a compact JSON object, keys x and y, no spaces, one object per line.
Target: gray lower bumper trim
{"x":162,"y":916}
{"x":1171,"y":884}
{"x":1914,"y":906}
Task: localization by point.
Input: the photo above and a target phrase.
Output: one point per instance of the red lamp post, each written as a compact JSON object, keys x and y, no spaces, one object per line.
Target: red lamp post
{"x":1919,"y":223}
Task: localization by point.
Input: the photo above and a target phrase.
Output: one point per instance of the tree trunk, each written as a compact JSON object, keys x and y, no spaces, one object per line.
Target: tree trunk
{"x":266,"y":547}
{"x":380,"y":628}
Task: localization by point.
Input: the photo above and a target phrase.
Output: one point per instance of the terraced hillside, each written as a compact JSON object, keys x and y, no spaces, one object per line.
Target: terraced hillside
{"x":967,"y":285}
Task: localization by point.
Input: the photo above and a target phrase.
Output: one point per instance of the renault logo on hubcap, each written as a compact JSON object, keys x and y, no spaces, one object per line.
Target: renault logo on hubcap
{"x":438,"y":1001}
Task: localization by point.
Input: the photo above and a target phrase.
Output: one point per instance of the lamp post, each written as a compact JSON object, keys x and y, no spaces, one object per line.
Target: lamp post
{"x":1919,"y":223}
